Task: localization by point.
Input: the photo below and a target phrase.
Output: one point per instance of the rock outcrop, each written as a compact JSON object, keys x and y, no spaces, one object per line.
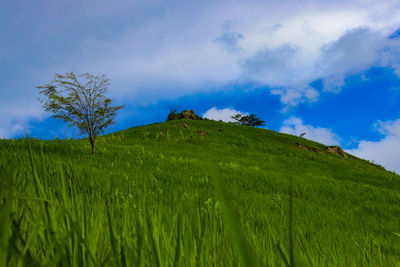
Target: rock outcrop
{"x":337,"y":150}
{"x":187,"y":114}
{"x":330,"y":149}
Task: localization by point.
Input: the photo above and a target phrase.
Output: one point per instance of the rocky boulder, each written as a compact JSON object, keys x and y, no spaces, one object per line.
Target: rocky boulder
{"x":187,"y":114}
{"x":337,"y":150}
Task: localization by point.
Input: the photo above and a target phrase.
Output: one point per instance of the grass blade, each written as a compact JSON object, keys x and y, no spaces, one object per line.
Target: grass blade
{"x":5,"y":225}
{"x":291,"y":238}
{"x":245,"y":256}
{"x":178,"y":241}
{"x":284,"y":257}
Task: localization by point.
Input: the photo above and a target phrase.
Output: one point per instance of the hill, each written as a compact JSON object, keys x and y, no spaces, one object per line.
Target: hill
{"x":194,"y":193}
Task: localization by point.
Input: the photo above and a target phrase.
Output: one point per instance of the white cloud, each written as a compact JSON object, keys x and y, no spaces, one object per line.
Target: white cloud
{"x":292,"y":96}
{"x":295,"y":126}
{"x":19,"y":105}
{"x":224,"y":114}
{"x":15,"y":119}
{"x":390,"y":55}
{"x":384,"y":151}
{"x":333,"y":83}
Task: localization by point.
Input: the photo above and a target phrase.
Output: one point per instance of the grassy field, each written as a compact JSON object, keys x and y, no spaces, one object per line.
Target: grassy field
{"x":194,"y":193}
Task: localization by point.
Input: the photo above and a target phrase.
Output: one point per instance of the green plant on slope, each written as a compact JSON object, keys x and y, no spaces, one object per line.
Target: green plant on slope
{"x":248,"y":120}
{"x":144,"y":201}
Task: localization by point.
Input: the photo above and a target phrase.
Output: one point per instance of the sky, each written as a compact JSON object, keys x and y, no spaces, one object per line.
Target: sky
{"x":330,"y":69}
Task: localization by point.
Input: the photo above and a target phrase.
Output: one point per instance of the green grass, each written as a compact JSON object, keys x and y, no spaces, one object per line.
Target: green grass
{"x":165,"y":195}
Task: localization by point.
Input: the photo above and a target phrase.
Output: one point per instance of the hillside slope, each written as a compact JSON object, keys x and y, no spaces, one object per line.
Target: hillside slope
{"x":194,"y":193}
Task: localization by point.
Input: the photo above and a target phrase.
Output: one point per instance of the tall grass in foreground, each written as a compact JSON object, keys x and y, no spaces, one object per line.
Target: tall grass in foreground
{"x":137,"y":205}
{"x":68,"y":232}
{"x":63,"y":226}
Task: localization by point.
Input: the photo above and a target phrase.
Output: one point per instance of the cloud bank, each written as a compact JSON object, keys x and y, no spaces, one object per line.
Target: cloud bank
{"x":153,"y":50}
{"x":279,"y":45}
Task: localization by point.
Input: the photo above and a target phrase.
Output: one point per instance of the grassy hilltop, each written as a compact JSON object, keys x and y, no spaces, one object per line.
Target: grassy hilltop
{"x":194,"y":193}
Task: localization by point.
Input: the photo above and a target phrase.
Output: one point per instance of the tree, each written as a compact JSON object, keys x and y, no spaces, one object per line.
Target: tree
{"x":80,"y":101}
{"x":250,"y":120}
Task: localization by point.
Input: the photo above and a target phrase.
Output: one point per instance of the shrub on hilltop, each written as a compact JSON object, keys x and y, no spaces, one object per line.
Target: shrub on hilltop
{"x":250,"y":120}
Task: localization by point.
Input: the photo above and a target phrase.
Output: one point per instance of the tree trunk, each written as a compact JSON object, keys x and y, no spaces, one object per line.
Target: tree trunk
{"x":92,"y":144}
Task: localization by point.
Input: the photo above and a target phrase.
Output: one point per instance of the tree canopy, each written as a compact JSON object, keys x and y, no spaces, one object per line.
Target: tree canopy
{"x":248,"y":120}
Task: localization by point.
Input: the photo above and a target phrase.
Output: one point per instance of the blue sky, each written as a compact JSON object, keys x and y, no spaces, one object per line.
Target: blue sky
{"x":327,"y":68}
